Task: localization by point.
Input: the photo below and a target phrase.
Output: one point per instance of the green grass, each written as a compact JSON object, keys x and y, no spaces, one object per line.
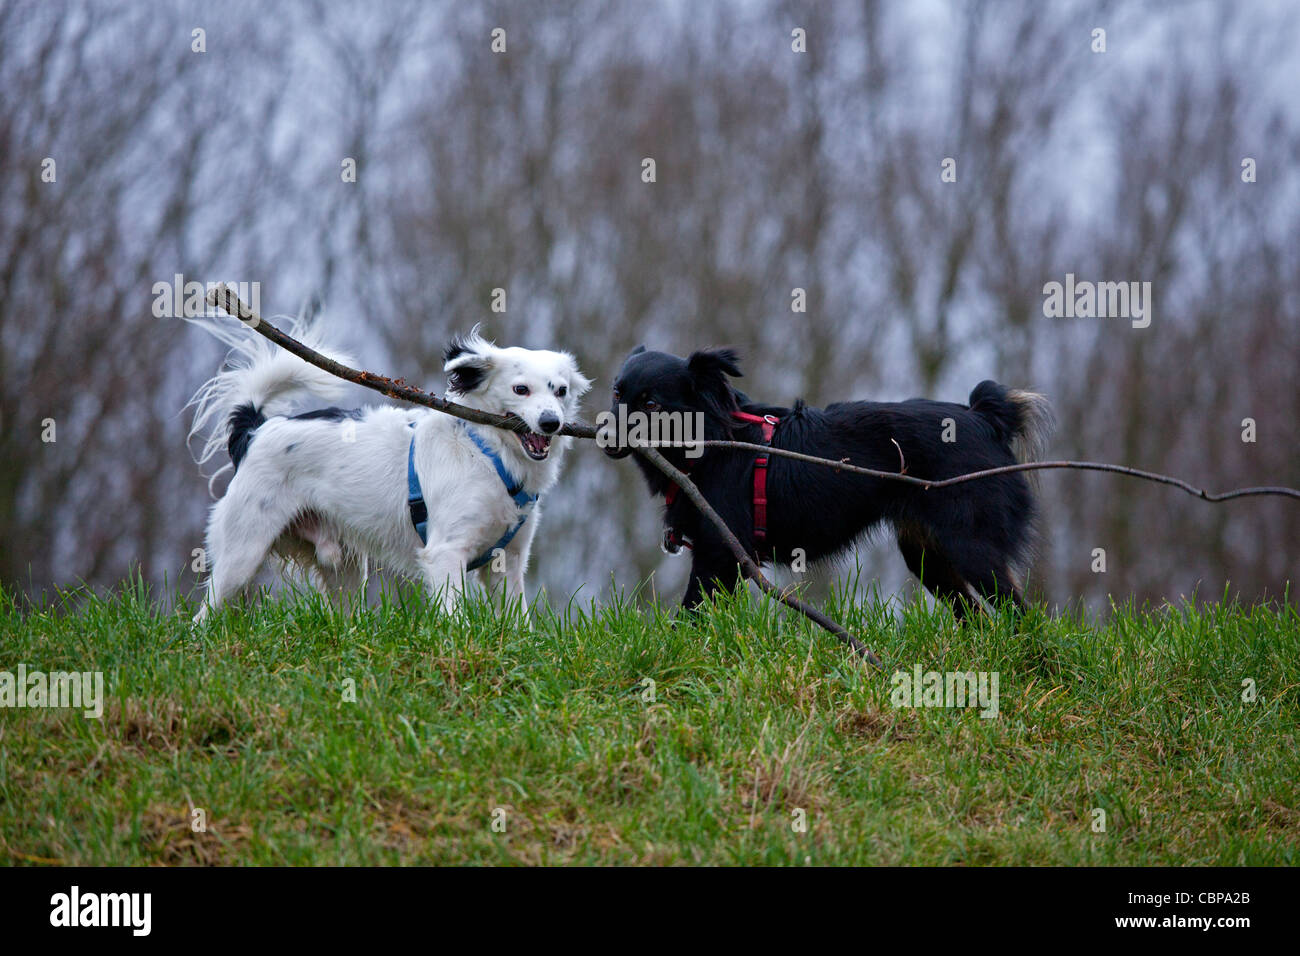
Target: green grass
{"x":755,"y":715}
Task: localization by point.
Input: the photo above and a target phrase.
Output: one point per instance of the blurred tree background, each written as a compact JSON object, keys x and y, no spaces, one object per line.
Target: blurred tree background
{"x":776,"y":170}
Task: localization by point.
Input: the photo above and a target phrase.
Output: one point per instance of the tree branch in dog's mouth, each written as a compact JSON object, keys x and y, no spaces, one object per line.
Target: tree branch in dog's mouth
{"x":536,"y":446}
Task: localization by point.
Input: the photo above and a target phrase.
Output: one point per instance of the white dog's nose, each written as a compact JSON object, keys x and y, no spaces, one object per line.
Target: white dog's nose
{"x":548,"y":422}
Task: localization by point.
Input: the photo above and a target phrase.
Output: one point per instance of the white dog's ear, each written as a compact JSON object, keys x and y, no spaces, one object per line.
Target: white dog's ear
{"x":579,"y":384}
{"x":467,"y":360}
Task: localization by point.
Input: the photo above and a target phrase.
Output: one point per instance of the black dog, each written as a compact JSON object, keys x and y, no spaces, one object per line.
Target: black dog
{"x":965,"y":542}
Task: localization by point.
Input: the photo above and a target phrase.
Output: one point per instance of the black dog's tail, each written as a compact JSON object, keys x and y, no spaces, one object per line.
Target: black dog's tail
{"x":1023,"y":420}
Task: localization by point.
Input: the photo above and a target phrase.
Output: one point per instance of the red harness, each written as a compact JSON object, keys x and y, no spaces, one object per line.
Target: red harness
{"x":674,"y":542}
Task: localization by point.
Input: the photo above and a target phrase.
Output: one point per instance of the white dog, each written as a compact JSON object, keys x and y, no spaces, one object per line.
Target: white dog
{"x":416,"y":491}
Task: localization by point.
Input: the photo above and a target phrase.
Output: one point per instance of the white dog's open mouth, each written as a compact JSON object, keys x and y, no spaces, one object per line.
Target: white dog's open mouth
{"x":536,"y":446}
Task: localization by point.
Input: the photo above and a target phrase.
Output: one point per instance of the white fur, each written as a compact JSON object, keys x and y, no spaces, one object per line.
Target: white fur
{"x":332,"y":496}
{"x":258,"y":371}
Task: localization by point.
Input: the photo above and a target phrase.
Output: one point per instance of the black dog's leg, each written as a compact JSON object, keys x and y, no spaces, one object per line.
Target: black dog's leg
{"x":712,"y":569}
{"x":998,"y":586}
{"x":935,"y":573}
{"x":989,"y":574}
{"x":695,"y":592}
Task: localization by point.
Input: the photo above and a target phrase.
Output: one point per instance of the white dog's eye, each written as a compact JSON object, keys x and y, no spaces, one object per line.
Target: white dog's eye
{"x":521,"y":389}
{"x":562,"y":391}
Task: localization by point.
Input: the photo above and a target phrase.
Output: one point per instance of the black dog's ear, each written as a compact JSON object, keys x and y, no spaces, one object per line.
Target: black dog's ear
{"x":709,"y":369}
{"x":714,"y":362}
{"x":636,"y":351}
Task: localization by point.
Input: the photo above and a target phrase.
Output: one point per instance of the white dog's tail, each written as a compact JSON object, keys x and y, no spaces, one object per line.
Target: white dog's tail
{"x":261,"y":375}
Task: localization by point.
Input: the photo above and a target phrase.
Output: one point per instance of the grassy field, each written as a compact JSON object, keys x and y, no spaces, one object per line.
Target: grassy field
{"x":757,"y":722}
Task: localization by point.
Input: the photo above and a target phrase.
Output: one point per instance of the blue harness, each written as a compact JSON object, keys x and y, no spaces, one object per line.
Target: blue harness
{"x":420,"y":512}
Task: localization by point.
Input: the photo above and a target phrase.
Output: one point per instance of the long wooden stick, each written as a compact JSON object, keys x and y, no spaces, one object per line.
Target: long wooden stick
{"x":927,"y":484}
{"x":225,"y":298}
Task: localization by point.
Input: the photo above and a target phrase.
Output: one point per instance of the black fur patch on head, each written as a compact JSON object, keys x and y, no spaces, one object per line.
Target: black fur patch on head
{"x":466,"y":378}
{"x":473,"y":367}
{"x":457,"y":347}
{"x":244,"y":420}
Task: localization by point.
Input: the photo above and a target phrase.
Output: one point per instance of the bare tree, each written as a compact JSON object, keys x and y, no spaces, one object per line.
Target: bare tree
{"x":798,"y":155}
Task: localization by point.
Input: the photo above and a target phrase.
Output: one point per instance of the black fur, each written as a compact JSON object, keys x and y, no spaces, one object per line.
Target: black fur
{"x":977,"y":534}
{"x":332,"y":414}
{"x":455,"y":349}
{"x":244,"y":420}
{"x":465,"y":379}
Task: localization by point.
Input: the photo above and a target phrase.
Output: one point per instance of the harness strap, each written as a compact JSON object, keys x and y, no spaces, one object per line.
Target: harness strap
{"x":769,"y":423}
{"x":504,"y":540}
{"x":515,"y":489}
{"x":415,"y":496}
{"x":674,"y":542}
